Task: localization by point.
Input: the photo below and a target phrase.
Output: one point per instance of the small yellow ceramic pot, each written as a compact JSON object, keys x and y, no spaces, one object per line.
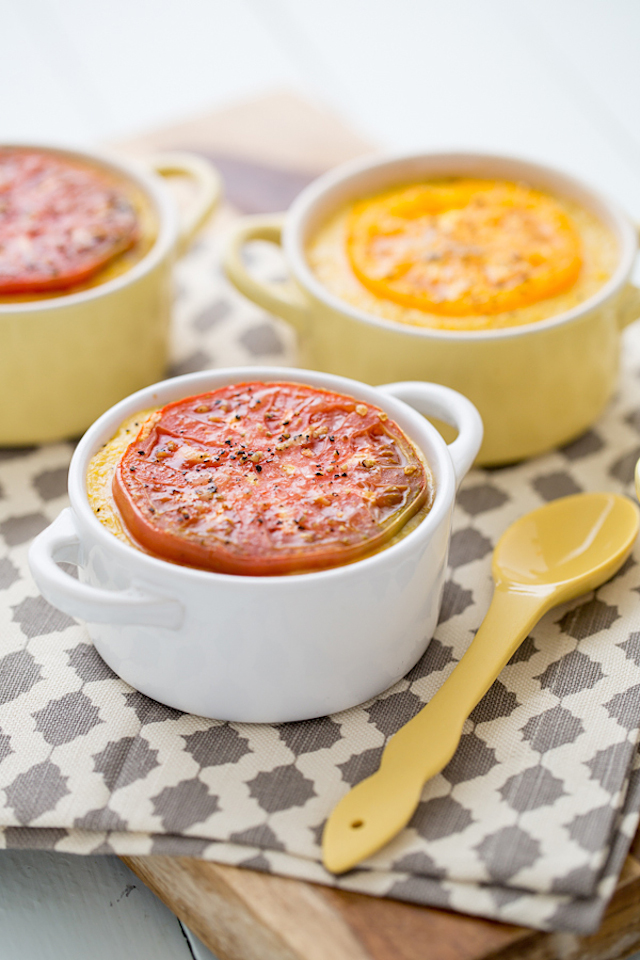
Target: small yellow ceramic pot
{"x":536,"y":386}
{"x":64,"y":360}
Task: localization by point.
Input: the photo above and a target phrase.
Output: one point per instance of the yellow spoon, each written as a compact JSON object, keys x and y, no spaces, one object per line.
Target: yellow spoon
{"x":547,"y":557}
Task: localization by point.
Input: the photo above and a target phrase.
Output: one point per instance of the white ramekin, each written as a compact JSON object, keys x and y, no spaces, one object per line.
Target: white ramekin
{"x":261,"y":649}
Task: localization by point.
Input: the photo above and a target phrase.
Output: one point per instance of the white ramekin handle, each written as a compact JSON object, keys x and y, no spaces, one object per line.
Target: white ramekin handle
{"x":60,"y":541}
{"x":434,"y":400}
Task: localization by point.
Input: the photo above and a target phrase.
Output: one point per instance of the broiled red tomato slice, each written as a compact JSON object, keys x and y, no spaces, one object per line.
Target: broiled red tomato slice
{"x":60,"y":222}
{"x":268,"y":478}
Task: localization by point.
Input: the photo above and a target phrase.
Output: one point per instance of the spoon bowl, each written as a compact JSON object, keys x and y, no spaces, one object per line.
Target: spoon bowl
{"x":571,"y":545}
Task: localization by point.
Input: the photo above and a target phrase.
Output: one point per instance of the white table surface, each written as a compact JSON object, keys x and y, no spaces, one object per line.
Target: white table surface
{"x":554,"y":80}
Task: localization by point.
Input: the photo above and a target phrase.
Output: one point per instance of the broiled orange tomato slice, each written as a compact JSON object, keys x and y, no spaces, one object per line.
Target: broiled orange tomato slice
{"x":60,"y":221}
{"x":463,"y":246}
{"x":268,"y":478}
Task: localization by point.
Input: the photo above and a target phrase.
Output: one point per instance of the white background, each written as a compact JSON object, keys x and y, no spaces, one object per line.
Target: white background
{"x":553,"y":80}
{"x":557,"y":80}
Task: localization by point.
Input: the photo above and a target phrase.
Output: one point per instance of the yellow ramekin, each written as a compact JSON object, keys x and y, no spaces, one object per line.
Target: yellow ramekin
{"x":536,"y":386}
{"x":65,"y":360}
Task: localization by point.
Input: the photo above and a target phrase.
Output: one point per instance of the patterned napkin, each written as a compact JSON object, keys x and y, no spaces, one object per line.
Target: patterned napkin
{"x":529,"y":823}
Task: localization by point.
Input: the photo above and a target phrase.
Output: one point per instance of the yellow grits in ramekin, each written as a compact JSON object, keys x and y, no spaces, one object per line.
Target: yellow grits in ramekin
{"x":463,"y":254}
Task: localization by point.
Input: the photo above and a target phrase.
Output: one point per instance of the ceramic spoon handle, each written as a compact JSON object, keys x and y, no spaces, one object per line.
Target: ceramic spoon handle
{"x":380,"y":806}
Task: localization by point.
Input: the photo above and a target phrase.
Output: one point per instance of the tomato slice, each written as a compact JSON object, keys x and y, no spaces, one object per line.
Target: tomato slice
{"x":268,"y":478}
{"x":463,"y":246}
{"x":60,"y":222}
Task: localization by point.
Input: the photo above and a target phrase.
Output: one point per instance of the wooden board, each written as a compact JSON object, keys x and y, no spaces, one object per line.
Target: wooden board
{"x":244,"y":915}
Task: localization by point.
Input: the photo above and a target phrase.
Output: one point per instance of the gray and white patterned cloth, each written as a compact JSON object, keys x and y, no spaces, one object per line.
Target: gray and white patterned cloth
{"x":529,"y":823}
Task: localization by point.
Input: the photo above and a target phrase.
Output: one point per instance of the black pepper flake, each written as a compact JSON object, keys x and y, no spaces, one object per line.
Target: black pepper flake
{"x":228,"y":441}
{"x":238,"y":417}
{"x":318,"y":474}
{"x":132,"y":469}
{"x":332,"y":439}
{"x":258,"y":468}
{"x":344,"y":474}
{"x":141,"y":453}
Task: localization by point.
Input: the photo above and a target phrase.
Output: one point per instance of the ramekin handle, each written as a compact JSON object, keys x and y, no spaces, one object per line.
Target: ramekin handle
{"x":283,"y":299}
{"x":208,"y":190}
{"x":628,"y":305}
{"x":60,"y":541}
{"x":434,"y":400}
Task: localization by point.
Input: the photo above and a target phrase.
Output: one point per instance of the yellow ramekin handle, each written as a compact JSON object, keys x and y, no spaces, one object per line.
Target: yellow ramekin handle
{"x":208,"y":192}
{"x":284,"y":299}
{"x":628,"y":305}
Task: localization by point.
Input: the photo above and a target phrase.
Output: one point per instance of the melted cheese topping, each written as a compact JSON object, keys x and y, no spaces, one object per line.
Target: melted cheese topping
{"x":463,"y":254}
